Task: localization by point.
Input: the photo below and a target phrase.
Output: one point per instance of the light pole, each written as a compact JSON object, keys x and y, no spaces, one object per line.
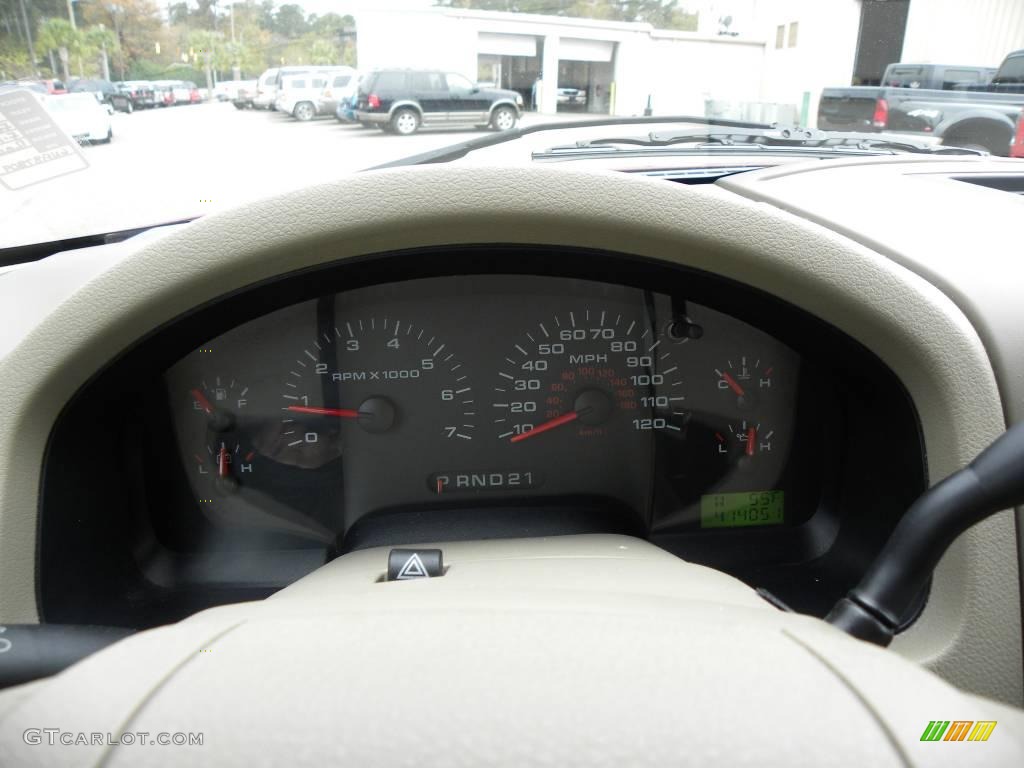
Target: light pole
{"x":103,"y":50}
{"x":28,"y":37}
{"x":71,"y":15}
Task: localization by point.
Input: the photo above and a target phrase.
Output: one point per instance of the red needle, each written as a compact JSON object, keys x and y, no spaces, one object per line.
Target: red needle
{"x":558,"y":421}
{"x":222,"y":462}
{"x":733,"y":384}
{"x":201,"y":399}
{"x":341,"y":413}
{"x":751,"y":439}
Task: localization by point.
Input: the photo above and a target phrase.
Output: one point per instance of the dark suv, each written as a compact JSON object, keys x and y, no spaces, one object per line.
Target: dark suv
{"x":401,"y":100}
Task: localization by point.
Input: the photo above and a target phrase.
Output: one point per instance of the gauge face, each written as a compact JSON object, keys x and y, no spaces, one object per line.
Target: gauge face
{"x":586,"y":375}
{"x":744,"y":439}
{"x":375,"y":378}
{"x":220,"y":404}
{"x":744,"y":380}
{"x":227,"y":462}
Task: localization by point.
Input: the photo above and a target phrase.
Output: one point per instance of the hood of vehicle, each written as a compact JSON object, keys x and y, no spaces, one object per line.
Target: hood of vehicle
{"x":499,"y":93}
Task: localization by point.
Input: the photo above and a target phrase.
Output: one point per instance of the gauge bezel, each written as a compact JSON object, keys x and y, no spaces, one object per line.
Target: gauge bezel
{"x":96,"y":534}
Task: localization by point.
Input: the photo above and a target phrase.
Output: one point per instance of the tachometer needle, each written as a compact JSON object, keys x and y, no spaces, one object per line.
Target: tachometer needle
{"x":341,"y":413}
{"x":751,"y":440}
{"x":733,"y":384}
{"x":203,"y":402}
{"x":548,"y":425}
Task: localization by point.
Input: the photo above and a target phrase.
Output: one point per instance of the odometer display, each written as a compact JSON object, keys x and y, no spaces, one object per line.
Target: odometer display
{"x":738,"y":510}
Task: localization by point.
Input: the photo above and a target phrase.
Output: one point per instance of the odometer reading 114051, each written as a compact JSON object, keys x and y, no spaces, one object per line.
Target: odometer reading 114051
{"x":737,"y":510}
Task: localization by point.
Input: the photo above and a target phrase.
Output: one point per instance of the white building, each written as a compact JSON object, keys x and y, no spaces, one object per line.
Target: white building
{"x":772,"y":64}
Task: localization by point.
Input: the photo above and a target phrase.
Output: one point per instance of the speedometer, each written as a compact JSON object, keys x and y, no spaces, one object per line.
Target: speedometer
{"x":379,"y":378}
{"x":587,"y":374}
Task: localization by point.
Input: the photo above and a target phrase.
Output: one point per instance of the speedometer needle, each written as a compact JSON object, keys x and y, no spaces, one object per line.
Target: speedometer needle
{"x":341,"y":413}
{"x":550,"y":424}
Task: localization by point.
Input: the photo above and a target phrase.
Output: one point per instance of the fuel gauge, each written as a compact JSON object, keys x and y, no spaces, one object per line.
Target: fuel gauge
{"x":221,"y":402}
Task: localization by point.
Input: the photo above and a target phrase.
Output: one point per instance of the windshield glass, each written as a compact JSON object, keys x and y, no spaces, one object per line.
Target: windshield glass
{"x":211,"y":104}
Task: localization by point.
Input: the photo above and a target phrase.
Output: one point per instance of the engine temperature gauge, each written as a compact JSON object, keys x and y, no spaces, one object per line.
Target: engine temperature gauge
{"x":745,"y":378}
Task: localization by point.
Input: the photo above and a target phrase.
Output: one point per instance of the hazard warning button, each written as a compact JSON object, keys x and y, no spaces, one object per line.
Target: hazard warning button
{"x":404,"y":564}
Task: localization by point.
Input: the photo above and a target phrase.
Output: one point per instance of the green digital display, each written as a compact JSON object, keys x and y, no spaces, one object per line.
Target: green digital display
{"x":736,"y":510}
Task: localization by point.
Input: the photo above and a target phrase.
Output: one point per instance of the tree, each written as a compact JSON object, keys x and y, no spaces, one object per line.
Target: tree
{"x":136,"y":24}
{"x":97,"y":40}
{"x":290,"y":21}
{"x":207,"y":49}
{"x":14,"y":61}
{"x":323,"y":52}
{"x":58,"y":35}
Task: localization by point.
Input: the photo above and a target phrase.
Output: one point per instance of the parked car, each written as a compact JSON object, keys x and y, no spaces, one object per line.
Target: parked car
{"x":300,"y":95}
{"x":185,"y":92}
{"x":1009,"y":78}
{"x":943,"y":77}
{"x":81,"y":117}
{"x":975,"y":117}
{"x":297,"y":95}
{"x":572,"y":96}
{"x":1017,"y":145}
{"x":104,"y":92}
{"x":163,"y":92}
{"x":33,"y":85}
{"x":53,"y":87}
{"x":401,"y":100}
{"x":341,"y":87}
{"x":244,"y":94}
{"x":345,"y":112}
{"x":266,"y":89}
{"x":270,"y":82}
{"x":140,"y":92}
{"x":227,"y":90}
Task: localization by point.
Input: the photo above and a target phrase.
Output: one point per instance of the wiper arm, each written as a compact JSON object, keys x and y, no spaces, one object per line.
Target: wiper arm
{"x":759,"y":139}
{"x":463,"y":148}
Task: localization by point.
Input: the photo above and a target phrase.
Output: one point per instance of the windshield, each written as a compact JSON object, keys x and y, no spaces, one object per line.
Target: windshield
{"x":211,"y":104}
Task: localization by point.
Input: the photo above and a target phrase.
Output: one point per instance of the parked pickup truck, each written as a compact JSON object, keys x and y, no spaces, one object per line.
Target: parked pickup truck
{"x":974,"y":116}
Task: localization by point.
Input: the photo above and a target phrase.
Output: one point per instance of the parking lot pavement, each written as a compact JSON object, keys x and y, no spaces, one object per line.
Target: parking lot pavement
{"x":179,"y":162}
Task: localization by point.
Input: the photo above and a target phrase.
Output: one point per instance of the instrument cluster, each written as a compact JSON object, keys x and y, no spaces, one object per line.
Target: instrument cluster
{"x":475,"y":391}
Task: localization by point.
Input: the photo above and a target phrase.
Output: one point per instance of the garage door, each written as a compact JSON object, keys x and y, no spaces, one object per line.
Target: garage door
{"x":575,"y":49}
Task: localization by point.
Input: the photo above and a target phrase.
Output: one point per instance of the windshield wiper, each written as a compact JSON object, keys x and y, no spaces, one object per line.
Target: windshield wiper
{"x":743,"y":140}
{"x":463,"y":148}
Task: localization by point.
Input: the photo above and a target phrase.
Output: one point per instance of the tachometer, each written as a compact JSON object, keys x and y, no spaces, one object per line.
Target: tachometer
{"x":371,"y":378}
{"x":587,"y":373}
